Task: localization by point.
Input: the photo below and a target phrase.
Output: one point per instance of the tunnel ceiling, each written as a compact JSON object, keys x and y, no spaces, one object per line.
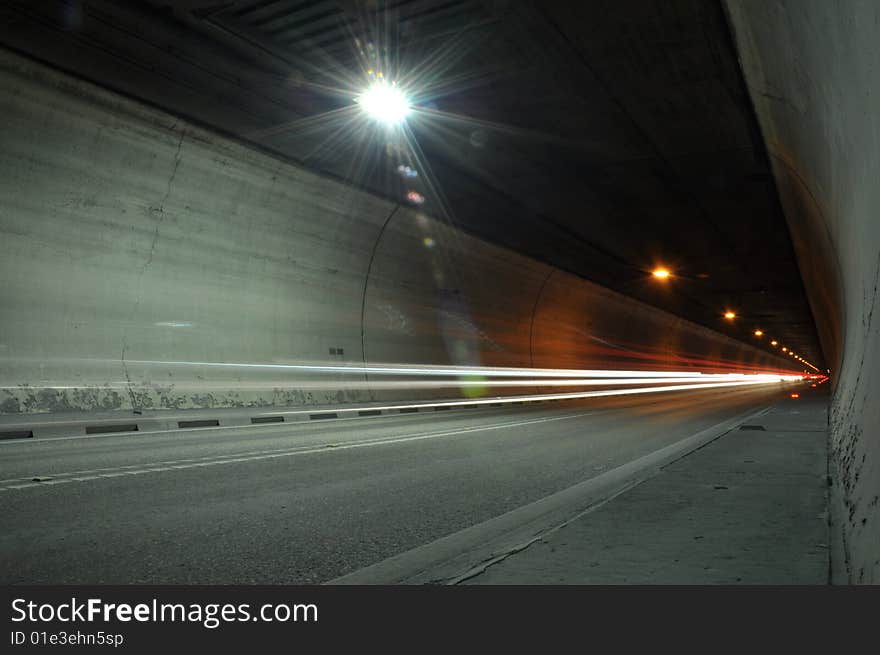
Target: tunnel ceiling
{"x":604,"y":138}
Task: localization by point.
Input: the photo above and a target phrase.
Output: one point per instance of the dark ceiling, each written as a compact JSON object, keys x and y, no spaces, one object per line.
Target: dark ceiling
{"x":604,"y":137}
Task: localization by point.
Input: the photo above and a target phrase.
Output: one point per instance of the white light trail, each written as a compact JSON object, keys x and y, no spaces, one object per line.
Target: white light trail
{"x":485,"y":371}
{"x":559,"y":396}
{"x":433,"y":384}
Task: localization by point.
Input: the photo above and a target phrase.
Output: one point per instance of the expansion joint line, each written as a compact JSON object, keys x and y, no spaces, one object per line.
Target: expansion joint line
{"x":375,"y":248}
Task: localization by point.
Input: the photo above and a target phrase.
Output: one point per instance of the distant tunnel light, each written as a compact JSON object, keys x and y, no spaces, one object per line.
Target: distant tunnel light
{"x":385,"y":103}
{"x":784,"y":349}
{"x":774,"y":342}
{"x":660,"y":273}
{"x":759,"y":333}
{"x":729,"y":315}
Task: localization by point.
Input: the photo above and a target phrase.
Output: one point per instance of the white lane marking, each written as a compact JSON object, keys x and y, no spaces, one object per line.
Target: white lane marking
{"x":256,"y":427}
{"x":258,"y":452}
{"x":136,"y":469}
{"x":186,"y":461}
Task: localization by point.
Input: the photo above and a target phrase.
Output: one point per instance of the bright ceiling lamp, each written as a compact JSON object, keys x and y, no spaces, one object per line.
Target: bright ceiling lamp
{"x":384,"y":103}
{"x":660,"y":273}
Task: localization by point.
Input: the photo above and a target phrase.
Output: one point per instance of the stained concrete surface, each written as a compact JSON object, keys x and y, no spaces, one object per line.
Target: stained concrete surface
{"x":748,"y":508}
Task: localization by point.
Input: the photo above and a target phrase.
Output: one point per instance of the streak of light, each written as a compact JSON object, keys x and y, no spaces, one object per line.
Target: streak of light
{"x":573,"y":396}
{"x":395,"y":369}
{"x":423,"y":370}
{"x":429,"y":384}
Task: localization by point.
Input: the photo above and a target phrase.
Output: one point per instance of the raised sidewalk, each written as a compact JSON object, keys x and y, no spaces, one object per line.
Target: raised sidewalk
{"x":747,"y":508}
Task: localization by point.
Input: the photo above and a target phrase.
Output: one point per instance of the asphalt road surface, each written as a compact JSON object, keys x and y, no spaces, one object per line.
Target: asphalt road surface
{"x":305,"y":503}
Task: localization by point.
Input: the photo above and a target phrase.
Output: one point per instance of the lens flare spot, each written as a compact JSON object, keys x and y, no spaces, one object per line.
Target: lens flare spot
{"x":473,"y":390}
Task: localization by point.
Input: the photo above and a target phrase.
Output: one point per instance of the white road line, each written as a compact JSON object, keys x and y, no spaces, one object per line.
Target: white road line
{"x":136,"y":469}
{"x":256,"y":427}
{"x":191,"y":460}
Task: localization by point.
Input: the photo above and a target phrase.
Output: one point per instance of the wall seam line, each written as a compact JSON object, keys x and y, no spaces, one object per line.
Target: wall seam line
{"x":534,"y":313}
{"x":364,"y":295}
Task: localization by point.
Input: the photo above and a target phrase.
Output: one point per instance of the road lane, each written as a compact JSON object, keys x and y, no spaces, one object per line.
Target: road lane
{"x":344,"y":494}
{"x":84,"y":475}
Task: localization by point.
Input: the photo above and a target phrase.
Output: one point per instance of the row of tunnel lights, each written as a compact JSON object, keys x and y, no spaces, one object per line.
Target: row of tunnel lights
{"x":387,"y":104}
{"x":663,"y":274}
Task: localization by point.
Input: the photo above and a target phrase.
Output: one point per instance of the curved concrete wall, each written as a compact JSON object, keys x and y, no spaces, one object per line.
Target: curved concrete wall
{"x":149,"y":263}
{"x":582,"y":325}
{"x":813,"y":70}
{"x":438,"y":296}
{"x":130,"y":237}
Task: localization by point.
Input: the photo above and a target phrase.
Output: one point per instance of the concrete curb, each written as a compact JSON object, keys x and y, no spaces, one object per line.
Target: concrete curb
{"x":49,"y":426}
{"x":463,"y":554}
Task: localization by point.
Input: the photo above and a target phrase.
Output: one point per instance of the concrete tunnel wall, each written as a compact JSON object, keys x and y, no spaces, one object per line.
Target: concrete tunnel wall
{"x":145,"y":260}
{"x":813,"y":71}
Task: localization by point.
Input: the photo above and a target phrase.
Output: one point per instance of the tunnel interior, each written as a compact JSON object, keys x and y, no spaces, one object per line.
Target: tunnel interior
{"x":584,"y":200}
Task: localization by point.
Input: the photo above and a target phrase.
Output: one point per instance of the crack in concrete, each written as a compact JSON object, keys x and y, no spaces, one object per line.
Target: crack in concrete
{"x":159,"y":211}
{"x":481,"y":568}
{"x":867,"y":321}
{"x":484,"y":565}
{"x":128,"y":385}
{"x":869,"y":318}
{"x":542,"y":535}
